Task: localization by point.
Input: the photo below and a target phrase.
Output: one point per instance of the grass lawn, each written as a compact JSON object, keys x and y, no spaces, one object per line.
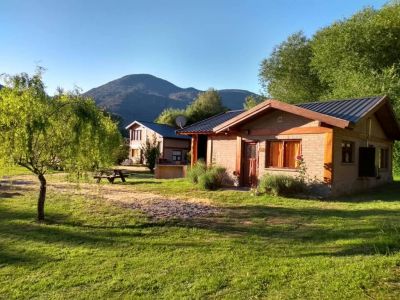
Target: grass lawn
{"x":258,"y":247}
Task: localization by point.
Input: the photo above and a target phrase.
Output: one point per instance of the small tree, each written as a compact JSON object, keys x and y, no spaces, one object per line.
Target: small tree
{"x":40,"y":132}
{"x":151,"y":152}
{"x":169,"y":115}
{"x":251,"y":101}
{"x":206,"y":104}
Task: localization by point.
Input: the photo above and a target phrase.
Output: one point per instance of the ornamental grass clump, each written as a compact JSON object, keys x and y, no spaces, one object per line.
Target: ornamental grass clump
{"x":281,"y":185}
{"x":212,"y":179}
{"x":196,"y":171}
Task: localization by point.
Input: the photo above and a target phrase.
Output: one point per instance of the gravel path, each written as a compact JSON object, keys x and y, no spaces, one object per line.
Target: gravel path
{"x":154,"y":206}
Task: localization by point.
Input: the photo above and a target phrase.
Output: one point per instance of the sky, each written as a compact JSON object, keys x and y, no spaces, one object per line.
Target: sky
{"x":191,"y":43}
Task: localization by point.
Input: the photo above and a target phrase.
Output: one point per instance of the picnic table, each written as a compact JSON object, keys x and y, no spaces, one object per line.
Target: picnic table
{"x":110,"y":175}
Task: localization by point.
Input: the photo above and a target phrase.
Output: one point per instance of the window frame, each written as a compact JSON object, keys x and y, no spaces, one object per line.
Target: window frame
{"x":136,"y":135}
{"x":281,"y":157}
{"x":352,"y":148}
{"x":174,"y":155}
{"x":384,"y":151}
{"x":136,"y":151}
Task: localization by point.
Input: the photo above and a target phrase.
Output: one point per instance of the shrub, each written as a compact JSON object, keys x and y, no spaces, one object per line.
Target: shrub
{"x":212,"y":178}
{"x":281,"y":185}
{"x":196,"y":171}
{"x":151,"y":152}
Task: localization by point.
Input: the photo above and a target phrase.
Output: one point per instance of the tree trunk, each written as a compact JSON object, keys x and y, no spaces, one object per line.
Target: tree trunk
{"x":42,"y":198}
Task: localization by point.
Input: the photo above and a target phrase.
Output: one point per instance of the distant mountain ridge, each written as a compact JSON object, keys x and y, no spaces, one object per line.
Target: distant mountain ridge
{"x":144,"y":96}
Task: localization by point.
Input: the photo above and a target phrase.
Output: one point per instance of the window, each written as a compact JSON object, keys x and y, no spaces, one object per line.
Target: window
{"x":366,"y":162}
{"x":347,"y":152}
{"x":384,"y":158}
{"x":136,"y":153}
{"x":176,"y":155}
{"x":282,"y":154}
{"x":136,"y":135}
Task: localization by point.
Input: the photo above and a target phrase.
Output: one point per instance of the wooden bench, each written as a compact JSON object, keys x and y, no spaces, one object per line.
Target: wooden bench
{"x":110,"y":176}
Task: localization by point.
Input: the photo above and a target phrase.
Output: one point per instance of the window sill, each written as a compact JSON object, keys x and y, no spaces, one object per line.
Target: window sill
{"x":282,"y":169}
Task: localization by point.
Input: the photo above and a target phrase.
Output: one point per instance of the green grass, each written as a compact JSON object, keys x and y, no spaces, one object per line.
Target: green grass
{"x":18,"y":170}
{"x":260,"y":247}
{"x":13,"y":170}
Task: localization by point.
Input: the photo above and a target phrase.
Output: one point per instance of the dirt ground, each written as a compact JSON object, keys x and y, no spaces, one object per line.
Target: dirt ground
{"x":154,"y":206}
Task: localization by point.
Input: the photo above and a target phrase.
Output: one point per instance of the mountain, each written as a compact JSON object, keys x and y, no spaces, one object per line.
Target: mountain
{"x":144,"y":96}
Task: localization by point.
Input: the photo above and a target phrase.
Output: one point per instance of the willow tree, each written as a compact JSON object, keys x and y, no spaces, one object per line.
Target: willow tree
{"x":40,"y":132}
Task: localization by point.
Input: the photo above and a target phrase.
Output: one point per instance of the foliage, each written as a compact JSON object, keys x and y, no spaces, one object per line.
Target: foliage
{"x":281,"y":185}
{"x":367,"y":41}
{"x":396,"y":158}
{"x":353,"y":57}
{"x":302,"y":175}
{"x":196,"y":171}
{"x":287,"y":75}
{"x":252,"y":101}
{"x":212,"y":178}
{"x":207,"y":104}
{"x":119,"y":121}
{"x":208,"y":178}
{"x":121,"y":153}
{"x":151,"y":152}
{"x":169,"y":115}
{"x":40,"y":132}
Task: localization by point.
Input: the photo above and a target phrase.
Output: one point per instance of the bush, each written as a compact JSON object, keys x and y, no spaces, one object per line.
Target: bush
{"x":281,"y":185}
{"x":151,"y":152}
{"x":207,"y":178}
{"x":212,"y":178}
{"x":196,"y":171}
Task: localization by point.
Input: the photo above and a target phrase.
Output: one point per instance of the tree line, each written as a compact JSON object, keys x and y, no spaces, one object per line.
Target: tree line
{"x":355,"y":57}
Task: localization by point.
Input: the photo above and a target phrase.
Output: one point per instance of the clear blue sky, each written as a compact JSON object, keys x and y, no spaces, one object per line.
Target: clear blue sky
{"x":199,"y":43}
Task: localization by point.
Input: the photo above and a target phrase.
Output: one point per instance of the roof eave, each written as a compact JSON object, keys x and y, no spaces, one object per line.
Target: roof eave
{"x":194,"y":132}
{"x":131,"y":124}
{"x":337,"y":122}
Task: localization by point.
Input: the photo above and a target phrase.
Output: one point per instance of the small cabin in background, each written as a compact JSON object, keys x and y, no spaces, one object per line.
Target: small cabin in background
{"x":173,"y":147}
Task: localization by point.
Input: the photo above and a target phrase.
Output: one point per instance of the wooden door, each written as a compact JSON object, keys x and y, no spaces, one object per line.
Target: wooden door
{"x":250,"y":164}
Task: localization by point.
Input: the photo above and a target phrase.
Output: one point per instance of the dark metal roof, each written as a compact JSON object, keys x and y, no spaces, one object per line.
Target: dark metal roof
{"x":207,"y":125}
{"x":349,"y":109}
{"x":163,"y":130}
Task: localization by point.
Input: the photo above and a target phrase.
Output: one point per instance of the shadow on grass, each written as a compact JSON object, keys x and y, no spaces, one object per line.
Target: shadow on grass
{"x":388,"y":192}
{"x":140,"y":175}
{"x":377,"y":229}
{"x":315,"y":231}
{"x":141,"y":182}
{"x":12,"y":257}
{"x":60,"y":230}
{"x":7,"y":195}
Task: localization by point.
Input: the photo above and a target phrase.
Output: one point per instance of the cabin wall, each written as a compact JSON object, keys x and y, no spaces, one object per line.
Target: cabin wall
{"x":222,"y":150}
{"x":171,"y":145}
{"x":279,"y":120}
{"x":346,"y":179}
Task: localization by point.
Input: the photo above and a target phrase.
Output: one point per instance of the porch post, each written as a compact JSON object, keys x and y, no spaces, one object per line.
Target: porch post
{"x":193,"y":149}
{"x":328,"y":157}
{"x":238,"y":155}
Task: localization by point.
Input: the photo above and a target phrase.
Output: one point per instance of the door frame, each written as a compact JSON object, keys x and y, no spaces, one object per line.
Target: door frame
{"x":243,"y":158}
